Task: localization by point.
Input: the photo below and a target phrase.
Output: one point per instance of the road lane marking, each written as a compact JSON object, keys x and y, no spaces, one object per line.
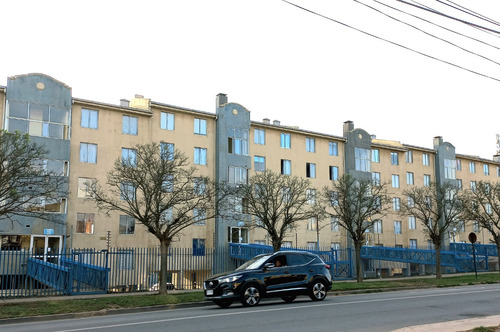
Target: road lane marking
{"x":255,"y":311}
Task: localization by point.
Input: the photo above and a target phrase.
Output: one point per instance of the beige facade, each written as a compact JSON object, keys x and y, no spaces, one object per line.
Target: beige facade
{"x":100,"y":132}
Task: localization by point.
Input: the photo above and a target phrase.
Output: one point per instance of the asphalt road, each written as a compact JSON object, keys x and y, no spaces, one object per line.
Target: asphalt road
{"x":364,"y":312}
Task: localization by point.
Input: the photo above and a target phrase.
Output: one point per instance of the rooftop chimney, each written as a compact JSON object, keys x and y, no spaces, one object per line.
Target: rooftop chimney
{"x":438,"y":141}
{"x":348,"y":127}
{"x":124,"y":102}
{"x":266,"y":121}
{"x":221,"y":100}
{"x":276,"y":122}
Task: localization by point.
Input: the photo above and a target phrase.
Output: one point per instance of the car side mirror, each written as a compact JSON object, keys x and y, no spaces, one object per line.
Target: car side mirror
{"x":268,"y":266}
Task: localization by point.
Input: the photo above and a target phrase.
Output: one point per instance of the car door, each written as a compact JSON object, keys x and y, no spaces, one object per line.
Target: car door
{"x":297,"y":271}
{"x":278,"y":277}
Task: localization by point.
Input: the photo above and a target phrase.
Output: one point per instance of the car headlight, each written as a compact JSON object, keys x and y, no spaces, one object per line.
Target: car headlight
{"x":229,"y":279}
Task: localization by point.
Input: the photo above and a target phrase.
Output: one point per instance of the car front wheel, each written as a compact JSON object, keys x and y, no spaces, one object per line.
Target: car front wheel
{"x":317,"y":291}
{"x":250,"y":296}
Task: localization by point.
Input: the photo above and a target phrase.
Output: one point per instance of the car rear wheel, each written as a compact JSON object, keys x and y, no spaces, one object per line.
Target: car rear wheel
{"x":289,"y":299}
{"x":224,"y":304}
{"x":250,"y":296}
{"x":317,"y":291}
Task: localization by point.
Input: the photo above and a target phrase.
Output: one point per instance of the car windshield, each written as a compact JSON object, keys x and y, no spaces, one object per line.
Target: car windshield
{"x":254,"y":263}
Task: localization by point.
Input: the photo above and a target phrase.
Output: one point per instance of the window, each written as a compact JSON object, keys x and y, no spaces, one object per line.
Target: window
{"x":259,"y":163}
{"x":312,"y":224}
{"x":286,"y":167}
{"x":129,"y":125}
{"x":413,"y":244}
{"x":167,"y":217}
{"x":335,"y":245}
{"x":333,"y":148}
{"x":377,"y":227}
{"x":168,"y":183}
{"x":83,"y":187}
{"x":125,"y":259}
{"x":334,"y":224}
{"x":89,"y":119}
{"x":38,"y":120}
{"x":475,"y":227}
{"x":286,"y":244}
{"x":200,"y":156}
{"x":334,"y":198}
{"x":486,"y":169}
{"x":85,"y":223}
{"x":310,"y":144}
{"x":312,"y":246}
{"x":260,"y":242}
{"x":472,"y":167}
{"x":127,"y":192}
{"x":376,"y":178}
{"x":310,"y":170}
{"x":237,"y":141}
{"x":395,"y":181}
{"x":237,"y":174}
{"x":473,"y":186}
{"x":411,"y":201}
{"x":127,"y":225}
{"x":498,"y":171}
{"x":200,"y":126}
{"x":167,"y":121}
{"x":396,"y":203}
{"x":410,"y":178}
{"x":311,"y":196}
{"x":285,"y":141}
{"x":459,"y":184}
{"x":427,"y":180}
{"x":286,"y":194}
{"x":199,"y":186}
{"x":362,"y":159}
{"x":394,"y":158}
{"x":425,"y":159}
{"x":397,"y":227}
{"x":88,"y":153}
{"x":167,"y":151}
{"x":129,"y":157}
{"x":334,"y":173}
{"x":200,"y":217}
{"x":461,"y":226}
{"x":450,"y":169}
{"x":409,"y":157}
{"x":376,"y":156}
{"x":412,"y":222}
{"x":459,"y":165}
{"x":259,"y":136}
{"x":50,"y":166}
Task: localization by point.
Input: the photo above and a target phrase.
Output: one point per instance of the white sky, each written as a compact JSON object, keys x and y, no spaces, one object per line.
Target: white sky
{"x":278,"y":61}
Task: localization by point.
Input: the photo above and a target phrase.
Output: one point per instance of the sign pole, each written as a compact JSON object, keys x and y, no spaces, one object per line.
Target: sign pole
{"x":473,"y":239}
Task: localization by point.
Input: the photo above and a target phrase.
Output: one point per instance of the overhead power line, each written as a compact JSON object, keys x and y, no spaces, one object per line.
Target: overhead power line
{"x":390,"y":42}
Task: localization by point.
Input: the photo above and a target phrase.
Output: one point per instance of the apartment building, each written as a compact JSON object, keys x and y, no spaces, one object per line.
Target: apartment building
{"x":86,"y":137}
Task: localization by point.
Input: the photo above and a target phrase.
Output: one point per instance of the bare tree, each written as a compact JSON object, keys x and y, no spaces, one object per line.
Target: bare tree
{"x":438,"y":208}
{"x":482,"y":204}
{"x":27,"y":186}
{"x":277,"y":202}
{"x":159,"y":189}
{"x":358,"y":205}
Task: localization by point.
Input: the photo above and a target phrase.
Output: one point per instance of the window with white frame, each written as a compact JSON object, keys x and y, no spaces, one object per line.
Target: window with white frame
{"x":199,"y":186}
{"x":375,"y":155}
{"x":425,"y":159}
{"x":168,"y":183}
{"x":377,"y":227}
{"x":486,"y":169}
{"x":286,"y":167}
{"x":237,"y":141}
{"x":259,"y":163}
{"x":167,"y":121}
{"x":427,"y":180}
{"x":395,"y":181}
{"x":310,"y":144}
{"x":334,"y":173}
{"x":237,"y":174}
{"x":200,"y":156}
{"x":286,"y":194}
{"x":88,"y":153}
{"x":89,"y":119}
{"x":312,"y":246}
{"x":85,"y":223}
{"x":311,"y":196}
{"x":397,"y":227}
{"x":413,"y":244}
{"x":410,"y":178}
{"x":376,"y":178}
{"x":459,"y":184}
{"x":411,"y":202}
{"x":450,"y":171}
{"x":312,"y":224}
{"x":200,"y":126}
{"x":285,"y":141}
{"x":335,"y":245}
{"x":84,"y":185}
{"x":472,"y":167}
{"x":394,"y":158}
{"x":334,"y":198}
{"x":127,"y":192}
{"x":412,"y":222}
{"x":396,"y":203}
{"x":473,"y":186}
{"x":200,"y":217}
{"x":129,"y":157}
{"x":126,"y":225}
{"x":333,"y":148}
{"x":409,"y":157}
{"x":259,"y":136}
{"x":310,"y":170}
{"x":129,"y":125}
{"x":362,"y":159}
{"x":334,"y":224}
{"x":475,"y":227}
{"x":167,"y":216}
{"x":167,"y":151}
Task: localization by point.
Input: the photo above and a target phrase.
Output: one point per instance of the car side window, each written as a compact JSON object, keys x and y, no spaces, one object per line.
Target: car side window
{"x":296,"y":259}
{"x":280,"y":261}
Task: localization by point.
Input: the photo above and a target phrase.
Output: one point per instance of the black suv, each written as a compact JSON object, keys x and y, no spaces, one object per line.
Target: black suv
{"x":284,"y":274}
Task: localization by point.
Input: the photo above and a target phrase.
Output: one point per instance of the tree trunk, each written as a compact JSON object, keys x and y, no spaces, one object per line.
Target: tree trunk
{"x":276,"y":245}
{"x":438,"y":261}
{"x":497,"y":241}
{"x":359,"y":269}
{"x":164,"y":244}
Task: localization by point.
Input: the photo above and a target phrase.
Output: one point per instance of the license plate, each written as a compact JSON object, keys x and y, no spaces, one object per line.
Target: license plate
{"x":210,"y":292}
